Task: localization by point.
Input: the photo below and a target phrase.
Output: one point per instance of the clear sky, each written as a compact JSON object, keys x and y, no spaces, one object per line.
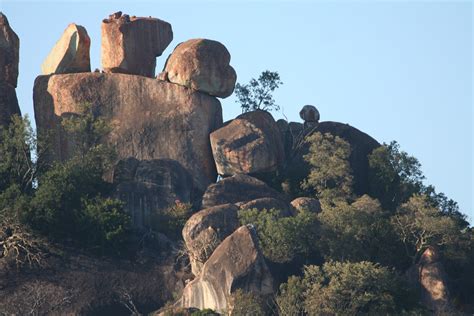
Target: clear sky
{"x":395,"y":70}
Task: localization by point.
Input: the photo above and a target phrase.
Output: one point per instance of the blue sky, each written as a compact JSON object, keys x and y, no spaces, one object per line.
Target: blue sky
{"x":395,"y":70}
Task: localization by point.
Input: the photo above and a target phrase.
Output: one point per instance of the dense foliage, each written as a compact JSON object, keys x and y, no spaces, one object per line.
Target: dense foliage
{"x":257,"y":94}
{"x":283,"y":238}
{"x":344,"y":288}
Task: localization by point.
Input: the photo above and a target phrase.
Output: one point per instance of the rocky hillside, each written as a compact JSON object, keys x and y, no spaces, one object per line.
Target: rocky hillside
{"x":248,"y":217}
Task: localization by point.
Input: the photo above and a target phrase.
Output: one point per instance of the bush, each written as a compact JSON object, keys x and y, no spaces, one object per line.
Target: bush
{"x":171,"y":220}
{"x":344,"y":288}
{"x":283,"y":238}
{"x":247,"y":304}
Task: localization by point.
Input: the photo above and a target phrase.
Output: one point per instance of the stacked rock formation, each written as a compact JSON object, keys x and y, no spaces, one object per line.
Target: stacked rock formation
{"x":150,"y":119}
{"x":70,"y":54}
{"x":9,"y":59}
{"x":310,"y":115}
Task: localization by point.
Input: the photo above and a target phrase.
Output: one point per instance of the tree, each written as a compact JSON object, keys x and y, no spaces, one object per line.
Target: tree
{"x":419,"y":225}
{"x":290,"y":299}
{"x":362,"y":288}
{"x":257,"y":94}
{"x":360,"y":231}
{"x":283,"y":238}
{"x":330,"y":175}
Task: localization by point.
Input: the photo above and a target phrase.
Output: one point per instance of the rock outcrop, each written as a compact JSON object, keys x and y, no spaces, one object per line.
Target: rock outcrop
{"x":150,"y":119}
{"x":9,"y":59}
{"x":237,"y":263}
{"x":131,"y":44}
{"x":306,"y":203}
{"x":249,"y":144}
{"x":297,"y":169}
{"x":434,"y":282}
{"x":205,"y":230}
{"x":202,"y":65}
{"x":70,"y":54}
{"x":149,"y":186}
{"x":238,"y":188}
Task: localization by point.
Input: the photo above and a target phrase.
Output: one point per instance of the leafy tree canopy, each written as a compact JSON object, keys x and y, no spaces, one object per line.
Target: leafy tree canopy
{"x":257,"y":94}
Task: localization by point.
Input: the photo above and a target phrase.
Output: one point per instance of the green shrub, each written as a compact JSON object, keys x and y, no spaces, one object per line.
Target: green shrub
{"x":247,"y":304}
{"x":283,"y":238}
{"x":171,"y":220}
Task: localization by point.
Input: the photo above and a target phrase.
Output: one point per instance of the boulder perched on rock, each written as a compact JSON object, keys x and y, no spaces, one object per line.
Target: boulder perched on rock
{"x":434,"y":282}
{"x":9,"y":53}
{"x":238,"y":188}
{"x":131,"y":44}
{"x":249,"y":144}
{"x":306,"y":203}
{"x":268,"y":204}
{"x":202,"y":65}
{"x":205,"y":230}
{"x":310,"y":115}
{"x":70,"y":54}
{"x":237,"y":263}
{"x":149,"y":186}
{"x":149,"y":119}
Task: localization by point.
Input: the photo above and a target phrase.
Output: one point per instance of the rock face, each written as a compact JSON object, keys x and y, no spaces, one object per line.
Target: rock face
{"x":238,"y":188}
{"x":149,"y":186}
{"x":150,"y":119}
{"x":433,"y":281}
{"x":310,"y":115}
{"x":205,"y":230}
{"x":249,"y":144}
{"x":237,"y":263}
{"x":361,"y":146}
{"x":9,"y":54}
{"x":268,"y":203}
{"x":70,"y":54}
{"x":202,"y":65}
{"x":306,"y":203}
{"x":130,"y":45}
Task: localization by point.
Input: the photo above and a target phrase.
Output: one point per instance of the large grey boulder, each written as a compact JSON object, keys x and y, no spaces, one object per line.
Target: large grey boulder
{"x":70,"y":54}
{"x":237,"y":263}
{"x":149,"y":119}
{"x":203,"y":65}
{"x":268,"y":203}
{"x":238,"y":188}
{"x":205,"y":230}
{"x":149,"y":186}
{"x":249,"y":144}
{"x":131,"y":44}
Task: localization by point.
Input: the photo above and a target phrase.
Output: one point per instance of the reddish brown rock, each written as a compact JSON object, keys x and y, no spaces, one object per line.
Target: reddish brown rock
{"x":202,"y":65}
{"x":70,"y":54}
{"x":9,"y":53}
{"x":238,"y":188}
{"x":306,"y":203}
{"x":205,"y":230}
{"x":249,"y":144}
{"x":131,"y":44}
{"x":150,"y":119}
{"x":237,"y":263}
{"x":8,"y":104}
{"x":434,"y":282}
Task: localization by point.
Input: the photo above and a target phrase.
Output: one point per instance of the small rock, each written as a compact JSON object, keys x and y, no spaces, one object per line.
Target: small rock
{"x":70,"y":54}
{"x":310,"y":115}
{"x":202,"y":65}
{"x":306,"y":203}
